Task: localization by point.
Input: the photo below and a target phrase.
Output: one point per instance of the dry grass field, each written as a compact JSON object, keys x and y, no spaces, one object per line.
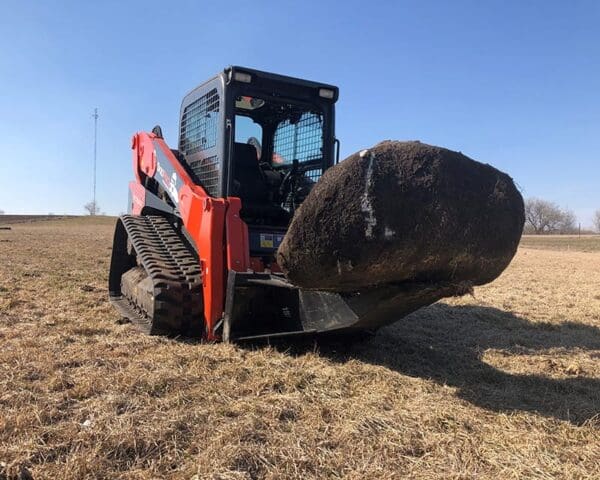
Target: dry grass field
{"x":503,"y":385}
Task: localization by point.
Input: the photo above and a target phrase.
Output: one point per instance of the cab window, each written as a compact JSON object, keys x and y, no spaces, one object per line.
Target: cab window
{"x":248,"y":131}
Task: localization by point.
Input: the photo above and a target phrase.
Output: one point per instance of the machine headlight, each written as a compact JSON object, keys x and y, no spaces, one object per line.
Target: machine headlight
{"x":326,"y":93}
{"x":242,"y":77}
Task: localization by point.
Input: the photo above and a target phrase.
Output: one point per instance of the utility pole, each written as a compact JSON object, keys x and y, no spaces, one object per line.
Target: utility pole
{"x":95,"y":152}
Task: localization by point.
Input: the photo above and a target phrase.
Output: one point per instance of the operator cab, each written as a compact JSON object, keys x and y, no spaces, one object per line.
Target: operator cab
{"x":262,"y":137}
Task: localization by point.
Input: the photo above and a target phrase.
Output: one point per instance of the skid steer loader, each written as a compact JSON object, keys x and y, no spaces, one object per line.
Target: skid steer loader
{"x":195,"y":255}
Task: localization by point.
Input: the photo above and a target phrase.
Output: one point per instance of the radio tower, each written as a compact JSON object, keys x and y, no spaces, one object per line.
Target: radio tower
{"x":95,"y":115}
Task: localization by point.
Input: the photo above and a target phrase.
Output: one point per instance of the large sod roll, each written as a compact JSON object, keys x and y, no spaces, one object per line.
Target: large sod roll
{"x":405,"y":214}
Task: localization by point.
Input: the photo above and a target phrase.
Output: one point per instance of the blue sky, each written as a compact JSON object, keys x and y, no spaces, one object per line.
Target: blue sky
{"x":512,"y":83}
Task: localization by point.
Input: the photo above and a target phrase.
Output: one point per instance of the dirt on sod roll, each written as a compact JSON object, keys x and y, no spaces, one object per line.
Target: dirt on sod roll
{"x":405,"y":215}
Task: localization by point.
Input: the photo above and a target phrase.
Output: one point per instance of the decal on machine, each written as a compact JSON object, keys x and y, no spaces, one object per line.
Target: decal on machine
{"x":167,"y":175}
{"x":266,"y":240}
{"x":168,"y":182}
{"x":270,"y":240}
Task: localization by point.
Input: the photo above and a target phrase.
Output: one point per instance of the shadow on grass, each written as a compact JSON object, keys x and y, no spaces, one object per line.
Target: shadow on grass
{"x":446,"y":344}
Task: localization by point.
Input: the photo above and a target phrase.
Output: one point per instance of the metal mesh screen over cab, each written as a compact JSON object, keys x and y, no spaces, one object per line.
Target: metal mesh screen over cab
{"x":198,"y":133}
{"x":302,"y":141}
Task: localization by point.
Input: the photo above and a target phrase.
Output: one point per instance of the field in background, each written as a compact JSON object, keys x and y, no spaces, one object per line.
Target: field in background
{"x":576,"y":243}
{"x":10,"y":219}
{"x":505,"y":384}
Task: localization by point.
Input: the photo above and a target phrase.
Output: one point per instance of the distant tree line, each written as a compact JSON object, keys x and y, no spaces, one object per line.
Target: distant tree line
{"x":544,"y":217}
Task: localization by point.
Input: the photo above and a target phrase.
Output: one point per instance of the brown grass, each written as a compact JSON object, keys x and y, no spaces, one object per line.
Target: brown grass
{"x":502,"y":385}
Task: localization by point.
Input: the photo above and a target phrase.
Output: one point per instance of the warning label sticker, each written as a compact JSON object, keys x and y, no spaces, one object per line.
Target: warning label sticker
{"x":266,"y":240}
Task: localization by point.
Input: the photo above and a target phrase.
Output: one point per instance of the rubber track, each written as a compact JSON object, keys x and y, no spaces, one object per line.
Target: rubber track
{"x":174,"y":269}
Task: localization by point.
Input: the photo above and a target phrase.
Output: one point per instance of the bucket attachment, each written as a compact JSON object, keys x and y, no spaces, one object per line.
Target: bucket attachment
{"x":260,"y":305}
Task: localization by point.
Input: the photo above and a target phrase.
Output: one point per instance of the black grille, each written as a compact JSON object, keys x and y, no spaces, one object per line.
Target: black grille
{"x":207,"y":172}
{"x":199,"y":124}
{"x":199,"y":127}
{"x":302,"y":141}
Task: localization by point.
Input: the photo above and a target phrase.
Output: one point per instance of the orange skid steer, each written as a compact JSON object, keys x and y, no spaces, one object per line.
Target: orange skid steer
{"x":195,"y":255}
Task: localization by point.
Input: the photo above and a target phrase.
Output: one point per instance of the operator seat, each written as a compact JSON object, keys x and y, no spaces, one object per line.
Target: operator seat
{"x":251,"y":185}
{"x":250,"y":182}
